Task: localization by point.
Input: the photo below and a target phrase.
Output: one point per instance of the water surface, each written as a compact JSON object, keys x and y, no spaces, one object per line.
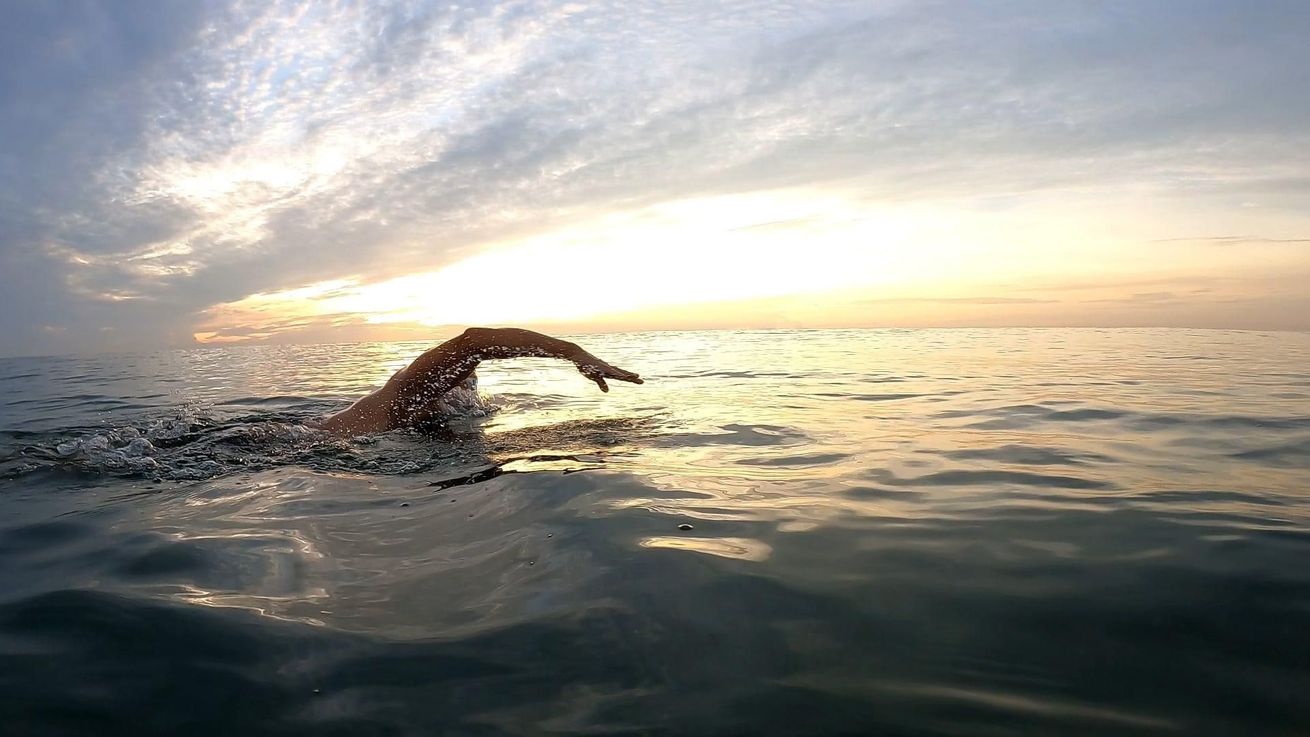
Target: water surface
{"x":891,"y":532}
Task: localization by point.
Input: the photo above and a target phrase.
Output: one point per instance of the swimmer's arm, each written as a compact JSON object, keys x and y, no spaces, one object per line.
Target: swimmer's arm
{"x":445,"y":366}
{"x":442,"y":368}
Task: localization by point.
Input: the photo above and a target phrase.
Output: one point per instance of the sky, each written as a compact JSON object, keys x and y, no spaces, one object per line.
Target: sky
{"x":183,"y":173}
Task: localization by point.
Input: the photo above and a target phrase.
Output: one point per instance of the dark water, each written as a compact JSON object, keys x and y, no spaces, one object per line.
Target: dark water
{"x":893,"y":532}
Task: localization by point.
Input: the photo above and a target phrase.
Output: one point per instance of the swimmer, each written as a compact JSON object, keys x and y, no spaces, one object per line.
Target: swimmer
{"x":410,"y":397}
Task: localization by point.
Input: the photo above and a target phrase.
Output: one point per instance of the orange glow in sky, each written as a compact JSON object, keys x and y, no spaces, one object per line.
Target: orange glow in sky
{"x":795,"y":257}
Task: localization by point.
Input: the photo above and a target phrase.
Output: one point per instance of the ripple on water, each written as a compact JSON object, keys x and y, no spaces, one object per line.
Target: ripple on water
{"x":736,"y":434}
{"x":1024,"y":455}
{"x":803,"y":459}
{"x":991,"y":479}
{"x":1034,"y":551}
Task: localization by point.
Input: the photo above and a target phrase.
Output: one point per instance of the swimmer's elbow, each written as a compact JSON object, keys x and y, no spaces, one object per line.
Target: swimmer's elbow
{"x":478,"y":335}
{"x":493,"y":337}
{"x":482,"y":338}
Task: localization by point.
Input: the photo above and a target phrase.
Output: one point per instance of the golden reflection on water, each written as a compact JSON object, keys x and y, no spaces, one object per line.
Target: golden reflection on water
{"x":1018,"y":523}
{"x":768,"y":434}
{"x":740,"y":548}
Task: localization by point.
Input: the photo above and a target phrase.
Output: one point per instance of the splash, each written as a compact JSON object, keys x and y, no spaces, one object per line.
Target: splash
{"x":193,"y":444}
{"x":121,"y":449}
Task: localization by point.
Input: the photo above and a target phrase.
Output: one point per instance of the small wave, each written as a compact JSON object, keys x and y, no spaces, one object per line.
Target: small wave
{"x":880,"y":493}
{"x":42,"y":535}
{"x":1037,"y":413}
{"x":729,"y":374}
{"x":1223,"y":422}
{"x":804,"y":459}
{"x":1194,"y":497}
{"x":1289,"y":455}
{"x":886,"y":379}
{"x":1027,"y":455}
{"x":1016,"y":416}
{"x":751,"y":435}
{"x":274,"y":401}
{"x":991,"y":478}
{"x":869,"y":397}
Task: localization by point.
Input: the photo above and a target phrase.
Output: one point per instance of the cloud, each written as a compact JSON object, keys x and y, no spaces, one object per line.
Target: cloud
{"x":1141,"y":298}
{"x":1231,"y":240}
{"x":962,"y":300}
{"x":159,"y":159}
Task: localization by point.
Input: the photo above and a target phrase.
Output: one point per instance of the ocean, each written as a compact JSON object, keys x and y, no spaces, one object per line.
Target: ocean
{"x":848,"y":532}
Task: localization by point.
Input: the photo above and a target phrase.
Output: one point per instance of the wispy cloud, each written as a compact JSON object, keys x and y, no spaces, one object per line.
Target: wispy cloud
{"x":962,"y":300}
{"x":1231,"y":240}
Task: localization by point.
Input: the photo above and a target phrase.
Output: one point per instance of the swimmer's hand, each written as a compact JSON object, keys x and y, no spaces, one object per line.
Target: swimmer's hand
{"x":598,"y":371}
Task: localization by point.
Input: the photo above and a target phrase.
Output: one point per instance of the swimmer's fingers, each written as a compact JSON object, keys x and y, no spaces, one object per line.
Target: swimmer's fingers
{"x":622,"y":375}
{"x":594,"y":372}
{"x":597,"y":370}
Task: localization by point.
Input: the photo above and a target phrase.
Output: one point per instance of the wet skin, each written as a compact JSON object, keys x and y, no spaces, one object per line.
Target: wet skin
{"x":410,"y":396}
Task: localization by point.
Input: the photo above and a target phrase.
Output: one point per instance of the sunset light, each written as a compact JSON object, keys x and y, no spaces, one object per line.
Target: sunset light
{"x":633,"y":367}
{"x":292,"y":174}
{"x":680,"y":253}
